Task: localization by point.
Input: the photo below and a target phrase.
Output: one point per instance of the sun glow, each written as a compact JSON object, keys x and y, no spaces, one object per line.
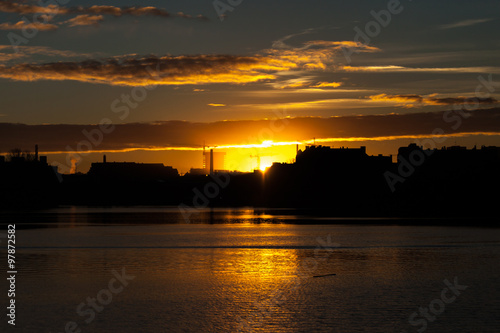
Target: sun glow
{"x":266,"y":162}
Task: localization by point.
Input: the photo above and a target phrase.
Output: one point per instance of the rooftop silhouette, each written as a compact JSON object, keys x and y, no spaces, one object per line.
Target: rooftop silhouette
{"x":446,"y":182}
{"x":27,"y":181}
{"x":130,"y":171}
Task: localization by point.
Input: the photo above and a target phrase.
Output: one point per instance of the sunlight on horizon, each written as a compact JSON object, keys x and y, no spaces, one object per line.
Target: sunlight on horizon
{"x":243,"y":157}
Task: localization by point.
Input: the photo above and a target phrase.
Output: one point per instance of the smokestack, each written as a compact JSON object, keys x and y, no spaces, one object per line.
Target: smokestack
{"x":211,"y":161}
{"x":104,"y":159}
{"x":36,"y":152}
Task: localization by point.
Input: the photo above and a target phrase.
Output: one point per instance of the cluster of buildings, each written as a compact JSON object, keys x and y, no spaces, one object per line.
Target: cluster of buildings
{"x":347,"y":179}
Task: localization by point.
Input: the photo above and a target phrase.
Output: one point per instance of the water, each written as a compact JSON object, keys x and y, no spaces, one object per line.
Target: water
{"x":249,"y":271}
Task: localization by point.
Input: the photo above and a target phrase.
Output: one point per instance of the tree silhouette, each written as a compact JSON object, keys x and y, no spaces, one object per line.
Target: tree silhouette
{"x":18,"y":154}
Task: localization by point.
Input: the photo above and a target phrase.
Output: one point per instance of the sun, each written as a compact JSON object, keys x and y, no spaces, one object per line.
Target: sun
{"x":265,"y":165}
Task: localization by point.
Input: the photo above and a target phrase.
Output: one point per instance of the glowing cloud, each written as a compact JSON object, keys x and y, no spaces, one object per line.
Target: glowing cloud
{"x":391,"y":69}
{"x":23,"y":9}
{"x":327,"y":85}
{"x":167,"y":70}
{"x":84,"y":20}
{"x":26,"y":25}
{"x":183,"y":135}
{"x":409,"y":100}
{"x":8,"y":53}
{"x":318,"y":54}
{"x":14,"y":7}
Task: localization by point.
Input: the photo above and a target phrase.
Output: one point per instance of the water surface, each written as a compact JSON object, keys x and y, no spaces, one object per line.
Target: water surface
{"x":244,"y":269}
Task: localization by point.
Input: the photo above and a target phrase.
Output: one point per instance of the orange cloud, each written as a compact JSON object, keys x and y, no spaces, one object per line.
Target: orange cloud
{"x":8,"y":53}
{"x":167,"y":70}
{"x":327,"y":85}
{"x":84,"y":20}
{"x":14,"y":7}
{"x":183,"y":70}
{"x":318,"y":54}
{"x":24,"y":25}
{"x":371,"y":68}
{"x":408,"y":100}
{"x":392,"y":68}
{"x":183,"y":135}
{"x":304,"y":82}
{"x":22,"y":9}
{"x":292,"y":84}
{"x":119,"y":11}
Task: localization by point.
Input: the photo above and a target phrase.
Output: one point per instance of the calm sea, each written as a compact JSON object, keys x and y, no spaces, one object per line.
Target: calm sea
{"x":244,"y":270}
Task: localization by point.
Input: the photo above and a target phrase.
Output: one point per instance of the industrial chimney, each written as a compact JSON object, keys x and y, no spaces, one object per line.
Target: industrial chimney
{"x":211,"y":161}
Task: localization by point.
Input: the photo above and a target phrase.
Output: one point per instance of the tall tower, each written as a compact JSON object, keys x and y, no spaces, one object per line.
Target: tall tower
{"x":204,"y":157}
{"x":211,"y":161}
{"x":36,"y":152}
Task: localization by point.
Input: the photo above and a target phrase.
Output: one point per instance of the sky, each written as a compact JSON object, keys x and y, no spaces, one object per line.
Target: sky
{"x":153,"y":81}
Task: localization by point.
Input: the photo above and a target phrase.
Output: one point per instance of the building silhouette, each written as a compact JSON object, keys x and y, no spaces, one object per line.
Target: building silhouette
{"x":27,"y":181}
{"x":449,"y":182}
{"x":344,"y":180}
{"x":213,"y":161}
{"x":131,"y":171}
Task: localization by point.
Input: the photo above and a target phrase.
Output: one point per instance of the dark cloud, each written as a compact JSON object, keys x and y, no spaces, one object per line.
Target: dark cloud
{"x":189,"y":134}
{"x":461,"y":100}
{"x":19,"y":8}
{"x":464,"y":23}
{"x":317,"y":54}
{"x":119,"y":11}
{"x":23,"y":9}
{"x":167,"y":70}
{"x":409,"y":100}
{"x":170,"y":70}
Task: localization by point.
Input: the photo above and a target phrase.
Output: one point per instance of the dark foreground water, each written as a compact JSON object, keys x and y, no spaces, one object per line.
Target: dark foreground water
{"x":101,"y":270}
